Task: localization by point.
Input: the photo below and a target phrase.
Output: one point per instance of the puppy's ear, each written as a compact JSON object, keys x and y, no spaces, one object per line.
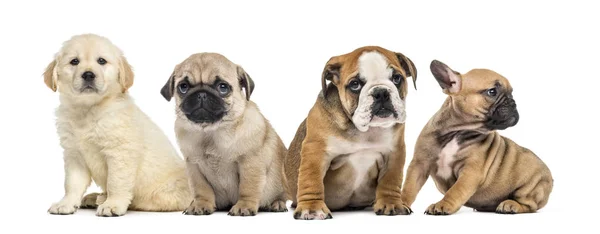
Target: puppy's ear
{"x":409,"y":67}
{"x":448,"y":79}
{"x":125,"y":74}
{"x":51,"y":75}
{"x":245,"y":82}
{"x":331,"y":72}
{"x":169,"y":88}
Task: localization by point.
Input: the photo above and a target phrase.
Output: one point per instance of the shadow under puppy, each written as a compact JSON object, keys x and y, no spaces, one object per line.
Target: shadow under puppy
{"x":469,"y":161}
{"x":107,"y":138}
{"x":349,"y":152}
{"x":234,"y":157}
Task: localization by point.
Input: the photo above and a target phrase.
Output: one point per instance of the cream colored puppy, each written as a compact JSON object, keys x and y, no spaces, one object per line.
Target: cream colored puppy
{"x":107,"y":138}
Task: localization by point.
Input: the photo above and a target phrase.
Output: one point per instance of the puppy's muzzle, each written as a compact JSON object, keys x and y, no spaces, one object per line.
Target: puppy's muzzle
{"x":382,"y":104}
{"x":88,"y":81}
{"x":503,"y":115}
{"x":203,"y":106}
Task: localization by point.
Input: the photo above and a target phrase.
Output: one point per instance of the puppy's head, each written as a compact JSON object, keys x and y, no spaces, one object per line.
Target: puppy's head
{"x":88,"y":68}
{"x":484,"y":96}
{"x":209,"y":89}
{"x":371,"y":84}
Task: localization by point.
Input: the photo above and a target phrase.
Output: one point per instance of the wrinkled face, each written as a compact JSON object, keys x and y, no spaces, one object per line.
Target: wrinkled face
{"x":88,"y":68}
{"x":482,"y":95}
{"x":208,"y":90}
{"x":372,"y":87}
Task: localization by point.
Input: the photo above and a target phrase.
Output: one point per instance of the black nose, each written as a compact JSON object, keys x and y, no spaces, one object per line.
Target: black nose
{"x":88,"y":76}
{"x":202,"y":96}
{"x":381,"y":95}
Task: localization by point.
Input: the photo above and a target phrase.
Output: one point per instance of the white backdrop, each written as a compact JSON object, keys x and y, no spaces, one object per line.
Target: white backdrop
{"x":548,"y":51}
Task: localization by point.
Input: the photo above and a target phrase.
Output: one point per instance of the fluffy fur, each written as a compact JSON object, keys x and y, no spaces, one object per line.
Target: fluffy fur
{"x":107,"y":138}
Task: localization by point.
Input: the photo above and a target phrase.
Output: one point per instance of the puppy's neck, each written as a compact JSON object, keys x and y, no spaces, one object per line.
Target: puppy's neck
{"x":85,"y":105}
{"x":450,"y":118}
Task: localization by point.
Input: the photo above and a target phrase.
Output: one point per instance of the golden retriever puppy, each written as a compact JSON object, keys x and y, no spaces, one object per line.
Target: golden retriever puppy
{"x":107,"y":138}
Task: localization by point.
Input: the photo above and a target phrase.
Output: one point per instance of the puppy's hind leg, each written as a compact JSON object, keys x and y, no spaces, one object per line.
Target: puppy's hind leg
{"x":90,"y":201}
{"x":527,"y":199}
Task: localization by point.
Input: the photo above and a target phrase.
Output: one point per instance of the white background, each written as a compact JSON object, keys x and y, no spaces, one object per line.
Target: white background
{"x":548,"y":51}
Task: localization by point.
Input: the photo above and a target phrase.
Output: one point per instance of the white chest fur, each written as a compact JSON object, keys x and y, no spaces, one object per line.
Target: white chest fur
{"x":446,"y":158}
{"x":363,"y":153}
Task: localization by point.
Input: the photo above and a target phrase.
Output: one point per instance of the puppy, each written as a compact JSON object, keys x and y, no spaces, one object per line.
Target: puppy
{"x":107,"y":138}
{"x":233,"y":155}
{"x":471,"y":163}
{"x":349,"y":152}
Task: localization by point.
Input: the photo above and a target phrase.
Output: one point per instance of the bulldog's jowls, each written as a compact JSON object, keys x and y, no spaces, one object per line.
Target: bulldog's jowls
{"x":107,"y":138}
{"x":471,"y":163}
{"x":233,"y":155}
{"x":349,"y":152}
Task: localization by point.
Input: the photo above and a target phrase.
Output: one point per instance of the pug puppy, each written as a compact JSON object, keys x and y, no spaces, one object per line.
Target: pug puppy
{"x":349,"y":152}
{"x":233,"y":155}
{"x":469,"y":161}
{"x":107,"y":138}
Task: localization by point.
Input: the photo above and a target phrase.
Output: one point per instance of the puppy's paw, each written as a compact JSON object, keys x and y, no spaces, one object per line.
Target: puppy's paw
{"x":243,"y":208}
{"x":391,"y":207}
{"x":200,"y":207}
{"x":509,"y":207}
{"x":112,"y":208}
{"x":312,"y":210}
{"x":441,"y":208}
{"x":64,"y":207}
{"x":276,"y":206}
{"x":90,"y":201}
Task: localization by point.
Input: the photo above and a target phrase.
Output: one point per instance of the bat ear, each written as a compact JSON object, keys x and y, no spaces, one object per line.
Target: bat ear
{"x":331,"y":73}
{"x":409,"y":67}
{"x":125,"y":74}
{"x":245,"y":82}
{"x":449,"y":80}
{"x":51,"y":75}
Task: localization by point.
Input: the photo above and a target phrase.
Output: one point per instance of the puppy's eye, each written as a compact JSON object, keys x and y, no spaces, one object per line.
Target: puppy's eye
{"x":183,"y":87}
{"x":492,"y":92}
{"x":74,"y":62}
{"x":223,"y":88}
{"x":355,"y":85}
{"x":397,"y":79}
{"x":101,"y":61}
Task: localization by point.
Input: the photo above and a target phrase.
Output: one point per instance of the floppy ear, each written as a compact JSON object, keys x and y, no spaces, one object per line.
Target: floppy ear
{"x":245,"y":82}
{"x":331,"y":72}
{"x":409,"y":67}
{"x":51,"y":75}
{"x":168,"y":89}
{"x":448,"y":79}
{"x":125,"y":74}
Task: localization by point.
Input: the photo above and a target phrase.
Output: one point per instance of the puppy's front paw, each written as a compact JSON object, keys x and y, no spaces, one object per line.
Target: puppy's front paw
{"x":64,"y":207}
{"x":441,"y":208}
{"x":112,"y":208}
{"x":312,"y":210}
{"x":242,"y":208}
{"x":198,"y":207}
{"x":391,"y":207}
{"x":509,"y":207}
{"x":276,"y":206}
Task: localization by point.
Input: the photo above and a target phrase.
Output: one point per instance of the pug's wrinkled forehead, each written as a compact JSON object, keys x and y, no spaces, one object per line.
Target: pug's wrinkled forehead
{"x":206,"y":68}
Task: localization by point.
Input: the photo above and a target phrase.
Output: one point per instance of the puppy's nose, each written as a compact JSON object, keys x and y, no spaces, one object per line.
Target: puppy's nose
{"x":381,"y":95}
{"x":88,"y":76}
{"x":202,"y":96}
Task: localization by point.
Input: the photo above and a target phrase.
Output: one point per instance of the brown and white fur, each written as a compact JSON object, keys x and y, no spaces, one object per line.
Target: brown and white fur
{"x":234,"y":157}
{"x":349,"y":152}
{"x":469,"y":161}
{"x":107,"y":138}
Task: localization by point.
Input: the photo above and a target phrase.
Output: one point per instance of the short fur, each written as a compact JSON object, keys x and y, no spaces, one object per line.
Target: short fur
{"x":108,"y":139}
{"x":236,"y":161}
{"x":471,"y":163}
{"x":332,"y":164}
